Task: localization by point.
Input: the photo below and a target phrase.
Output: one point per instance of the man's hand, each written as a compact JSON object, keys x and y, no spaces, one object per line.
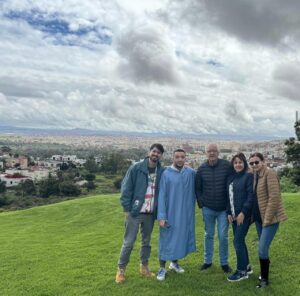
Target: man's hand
{"x":230,"y":219}
{"x":240,"y":218}
{"x":162,"y":223}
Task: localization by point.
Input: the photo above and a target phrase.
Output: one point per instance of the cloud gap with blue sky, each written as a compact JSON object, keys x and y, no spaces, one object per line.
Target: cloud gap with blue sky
{"x":55,"y":25}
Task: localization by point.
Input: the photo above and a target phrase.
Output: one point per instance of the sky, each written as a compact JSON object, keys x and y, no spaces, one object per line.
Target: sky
{"x":182,"y":66}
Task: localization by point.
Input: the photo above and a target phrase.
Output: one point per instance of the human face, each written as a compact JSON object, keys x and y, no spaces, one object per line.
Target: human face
{"x":179,"y":159}
{"x":238,"y":165}
{"x":212,"y":152}
{"x":256,"y":163}
{"x":154,"y":155}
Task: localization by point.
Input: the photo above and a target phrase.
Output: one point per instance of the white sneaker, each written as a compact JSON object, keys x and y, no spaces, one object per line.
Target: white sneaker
{"x":161,"y":275}
{"x":176,"y":267}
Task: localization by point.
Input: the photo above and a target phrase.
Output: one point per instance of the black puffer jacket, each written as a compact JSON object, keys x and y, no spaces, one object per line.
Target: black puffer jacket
{"x":211,"y":184}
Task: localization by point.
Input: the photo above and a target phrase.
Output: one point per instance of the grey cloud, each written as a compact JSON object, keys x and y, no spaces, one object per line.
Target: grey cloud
{"x":287,"y":80}
{"x":149,"y":54}
{"x":237,"y":112}
{"x":269,"y":22}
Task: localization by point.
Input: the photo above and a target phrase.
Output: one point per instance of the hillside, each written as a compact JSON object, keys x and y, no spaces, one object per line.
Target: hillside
{"x":71,"y":248}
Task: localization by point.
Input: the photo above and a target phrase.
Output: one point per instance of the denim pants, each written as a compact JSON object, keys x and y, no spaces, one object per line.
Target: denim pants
{"x":132,"y":225}
{"x":265,"y":235}
{"x":239,"y":233}
{"x":209,"y":218}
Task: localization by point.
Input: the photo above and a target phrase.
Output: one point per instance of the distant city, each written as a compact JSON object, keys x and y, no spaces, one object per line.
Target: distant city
{"x":273,"y":150}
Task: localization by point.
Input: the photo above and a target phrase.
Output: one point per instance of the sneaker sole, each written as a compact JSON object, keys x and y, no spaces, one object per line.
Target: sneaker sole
{"x":243,"y":278}
{"x":250,"y":272}
{"x":171,"y":268}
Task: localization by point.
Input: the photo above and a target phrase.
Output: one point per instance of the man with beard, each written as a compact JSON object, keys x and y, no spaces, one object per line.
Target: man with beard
{"x":176,"y":214}
{"x":139,"y":200}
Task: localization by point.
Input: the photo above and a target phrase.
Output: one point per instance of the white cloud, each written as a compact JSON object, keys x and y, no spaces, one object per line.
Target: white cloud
{"x":183,"y":66}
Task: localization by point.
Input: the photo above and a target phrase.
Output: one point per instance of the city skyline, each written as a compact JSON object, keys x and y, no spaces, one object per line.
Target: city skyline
{"x":181,"y":67}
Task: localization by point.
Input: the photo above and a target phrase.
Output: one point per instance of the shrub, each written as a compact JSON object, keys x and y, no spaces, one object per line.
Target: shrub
{"x":287,"y":185}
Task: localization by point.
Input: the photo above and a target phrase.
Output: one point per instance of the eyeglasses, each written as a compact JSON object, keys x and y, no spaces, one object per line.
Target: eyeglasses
{"x":254,"y":162}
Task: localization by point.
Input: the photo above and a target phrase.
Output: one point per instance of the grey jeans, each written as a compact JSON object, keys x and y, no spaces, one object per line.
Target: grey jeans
{"x":132,"y":225}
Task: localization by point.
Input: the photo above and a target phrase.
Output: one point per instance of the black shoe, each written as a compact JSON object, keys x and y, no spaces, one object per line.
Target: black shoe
{"x":262,"y":284}
{"x":205,"y":266}
{"x":226,"y":268}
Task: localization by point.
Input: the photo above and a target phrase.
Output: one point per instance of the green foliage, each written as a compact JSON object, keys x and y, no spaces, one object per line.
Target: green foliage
{"x":287,"y":185}
{"x":2,"y":187}
{"x":293,"y":154}
{"x":3,"y":200}
{"x":68,"y":188}
{"x":48,"y":187}
{"x":90,"y":185}
{"x":72,"y":248}
{"x":114,"y":163}
{"x":28,"y":187}
{"x":118,"y":183}
{"x":5,"y":149}
{"x":90,"y":177}
{"x":91,"y":165}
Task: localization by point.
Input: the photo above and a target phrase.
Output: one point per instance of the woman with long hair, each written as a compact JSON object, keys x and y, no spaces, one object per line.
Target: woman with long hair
{"x":239,"y":210}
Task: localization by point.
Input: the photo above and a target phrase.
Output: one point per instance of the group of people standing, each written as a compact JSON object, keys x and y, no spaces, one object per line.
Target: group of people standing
{"x":227,"y":192}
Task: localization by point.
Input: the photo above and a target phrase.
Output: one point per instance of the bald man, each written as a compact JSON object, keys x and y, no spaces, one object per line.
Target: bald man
{"x":211,"y":180}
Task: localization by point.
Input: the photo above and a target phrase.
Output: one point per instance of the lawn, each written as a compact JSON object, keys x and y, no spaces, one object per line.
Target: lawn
{"x":72,"y":248}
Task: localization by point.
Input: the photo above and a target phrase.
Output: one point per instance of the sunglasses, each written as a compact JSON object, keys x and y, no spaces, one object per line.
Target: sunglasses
{"x":254,"y":162}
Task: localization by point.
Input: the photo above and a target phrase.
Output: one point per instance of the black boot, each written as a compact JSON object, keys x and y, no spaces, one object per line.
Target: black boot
{"x":264,"y":272}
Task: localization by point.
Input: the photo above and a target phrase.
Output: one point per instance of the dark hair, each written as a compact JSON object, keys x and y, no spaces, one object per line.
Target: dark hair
{"x":257,"y":154}
{"x":178,"y":150}
{"x":158,"y":146}
{"x":242,"y":157}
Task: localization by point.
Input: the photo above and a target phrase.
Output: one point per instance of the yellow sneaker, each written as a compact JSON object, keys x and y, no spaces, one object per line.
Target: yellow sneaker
{"x":120,"y":276}
{"x":144,"y":271}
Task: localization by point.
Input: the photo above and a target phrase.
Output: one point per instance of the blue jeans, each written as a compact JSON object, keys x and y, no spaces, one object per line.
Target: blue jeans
{"x":209,"y":218}
{"x":265,"y":235}
{"x":240,"y":232}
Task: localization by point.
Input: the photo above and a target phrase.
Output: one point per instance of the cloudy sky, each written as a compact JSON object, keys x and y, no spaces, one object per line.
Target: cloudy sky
{"x":184,"y":66}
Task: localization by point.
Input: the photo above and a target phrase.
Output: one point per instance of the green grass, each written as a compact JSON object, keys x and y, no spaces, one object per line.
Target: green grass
{"x":72,"y":248}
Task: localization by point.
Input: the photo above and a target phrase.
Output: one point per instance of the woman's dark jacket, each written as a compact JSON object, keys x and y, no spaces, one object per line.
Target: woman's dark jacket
{"x":243,"y":195}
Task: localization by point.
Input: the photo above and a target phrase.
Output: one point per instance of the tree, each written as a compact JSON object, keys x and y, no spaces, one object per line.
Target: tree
{"x":5,"y":149}
{"x":28,"y":187}
{"x":114,"y":163}
{"x":91,"y":165}
{"x":90,"y":177}
{"x":2,"y":186}
{"x":293,"y":154}
{"x":118,"y":183}
{"x":90,"y":185}
{"x":48,"y":187}
{"x":68,"y":188}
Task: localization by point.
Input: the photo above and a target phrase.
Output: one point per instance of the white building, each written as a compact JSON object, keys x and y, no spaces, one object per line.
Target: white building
{"x":34,"y":173}
{"x":66,"y":158}
{"x":12,"y":180}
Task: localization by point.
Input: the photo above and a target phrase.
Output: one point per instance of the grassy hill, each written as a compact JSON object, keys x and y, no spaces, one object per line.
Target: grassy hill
{"x":71,"y":248}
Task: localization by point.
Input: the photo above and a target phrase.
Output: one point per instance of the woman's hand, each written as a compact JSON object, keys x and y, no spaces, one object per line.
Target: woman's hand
{"x":230,"y":219}
{"x":162,"y":223}
{"x":240,"y":218}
